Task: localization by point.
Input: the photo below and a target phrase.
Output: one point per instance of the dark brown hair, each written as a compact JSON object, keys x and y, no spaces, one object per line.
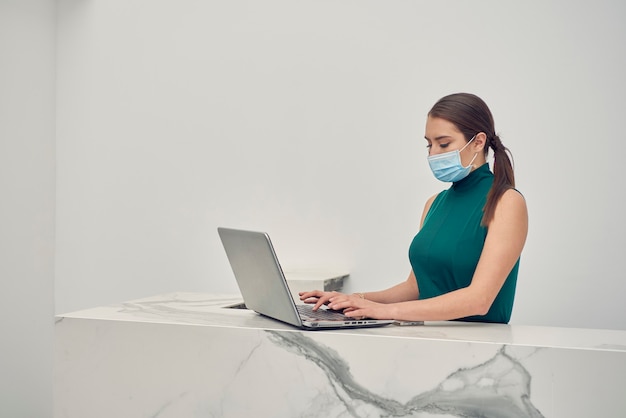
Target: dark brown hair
{"x":470,"y":114}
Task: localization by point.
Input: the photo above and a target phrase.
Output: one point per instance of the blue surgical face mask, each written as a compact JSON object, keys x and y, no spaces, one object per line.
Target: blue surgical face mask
{"x":448,"y":167}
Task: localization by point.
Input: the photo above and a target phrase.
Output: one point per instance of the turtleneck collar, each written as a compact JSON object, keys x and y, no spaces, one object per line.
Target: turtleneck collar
{"x":473,"y":178}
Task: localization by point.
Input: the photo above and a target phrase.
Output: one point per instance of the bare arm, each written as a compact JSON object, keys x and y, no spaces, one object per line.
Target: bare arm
{"x":505,"y":239}
{"x":404,"y":291}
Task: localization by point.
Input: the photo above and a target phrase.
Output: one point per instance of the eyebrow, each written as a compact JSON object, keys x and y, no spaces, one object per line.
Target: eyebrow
{"x":438,"y":138}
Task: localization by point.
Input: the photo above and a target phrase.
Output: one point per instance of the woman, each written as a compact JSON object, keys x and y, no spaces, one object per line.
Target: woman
{"x":465,"y":257}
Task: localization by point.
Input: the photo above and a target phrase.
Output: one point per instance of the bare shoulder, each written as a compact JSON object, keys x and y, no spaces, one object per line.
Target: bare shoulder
{"x":512,"y":197}
{"x":512,"y":205}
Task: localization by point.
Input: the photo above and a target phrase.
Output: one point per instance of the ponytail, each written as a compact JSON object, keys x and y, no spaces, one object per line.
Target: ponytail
{"x":503,"y":180}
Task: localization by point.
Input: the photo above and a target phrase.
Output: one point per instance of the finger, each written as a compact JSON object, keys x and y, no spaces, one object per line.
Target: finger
{"x":338,"y":299}
{"x":319,"y":303}
{"x":310,"y":294}
{"x":355,"y":313}
{"x":323,"y":300}
{"x":340,"y":304}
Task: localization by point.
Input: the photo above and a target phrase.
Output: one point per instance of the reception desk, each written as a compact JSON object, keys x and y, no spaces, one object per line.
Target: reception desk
{"x":189,"y":355}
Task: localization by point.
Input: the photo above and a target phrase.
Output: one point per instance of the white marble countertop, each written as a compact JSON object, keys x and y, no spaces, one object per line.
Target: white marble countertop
{"x":202,"y":309}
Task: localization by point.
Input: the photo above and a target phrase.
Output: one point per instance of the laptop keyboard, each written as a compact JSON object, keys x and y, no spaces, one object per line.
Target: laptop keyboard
{"x":323,"y":314}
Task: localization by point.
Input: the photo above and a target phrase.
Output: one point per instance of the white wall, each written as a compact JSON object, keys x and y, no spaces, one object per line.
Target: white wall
{"x":305,"y":119}
{"x":27,"y":174}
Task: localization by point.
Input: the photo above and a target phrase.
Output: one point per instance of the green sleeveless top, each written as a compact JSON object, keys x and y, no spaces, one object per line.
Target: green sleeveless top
{"x":445,"y":252}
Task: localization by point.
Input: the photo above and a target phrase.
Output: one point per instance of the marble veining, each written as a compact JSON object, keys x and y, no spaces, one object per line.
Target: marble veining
{"x":498,"y":387}
{"x":183,"y":310}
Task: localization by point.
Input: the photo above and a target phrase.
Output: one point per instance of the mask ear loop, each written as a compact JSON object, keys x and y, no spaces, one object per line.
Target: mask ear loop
{"x":475,"y":155}
{"x":464,"y":146}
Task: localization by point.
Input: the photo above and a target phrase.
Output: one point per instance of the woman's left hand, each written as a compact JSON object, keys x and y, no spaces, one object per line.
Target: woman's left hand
{"x":356,"y":307}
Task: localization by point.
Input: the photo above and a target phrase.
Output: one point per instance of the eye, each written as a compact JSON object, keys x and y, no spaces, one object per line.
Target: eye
{"x":429,"y":145}
{"x":444,"y":145}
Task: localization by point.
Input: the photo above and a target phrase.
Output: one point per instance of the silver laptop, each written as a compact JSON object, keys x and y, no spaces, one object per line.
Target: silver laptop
{"x":264,"y":287}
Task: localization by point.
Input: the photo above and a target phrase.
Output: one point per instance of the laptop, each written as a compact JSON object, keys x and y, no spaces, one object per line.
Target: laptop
{"x":265,"y":290}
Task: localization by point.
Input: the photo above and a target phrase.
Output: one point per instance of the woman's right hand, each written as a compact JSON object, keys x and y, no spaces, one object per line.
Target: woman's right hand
{"x":317,"y":297}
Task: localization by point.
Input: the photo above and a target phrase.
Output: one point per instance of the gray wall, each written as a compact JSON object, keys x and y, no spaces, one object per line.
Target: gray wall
{"x":27,"y":174}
